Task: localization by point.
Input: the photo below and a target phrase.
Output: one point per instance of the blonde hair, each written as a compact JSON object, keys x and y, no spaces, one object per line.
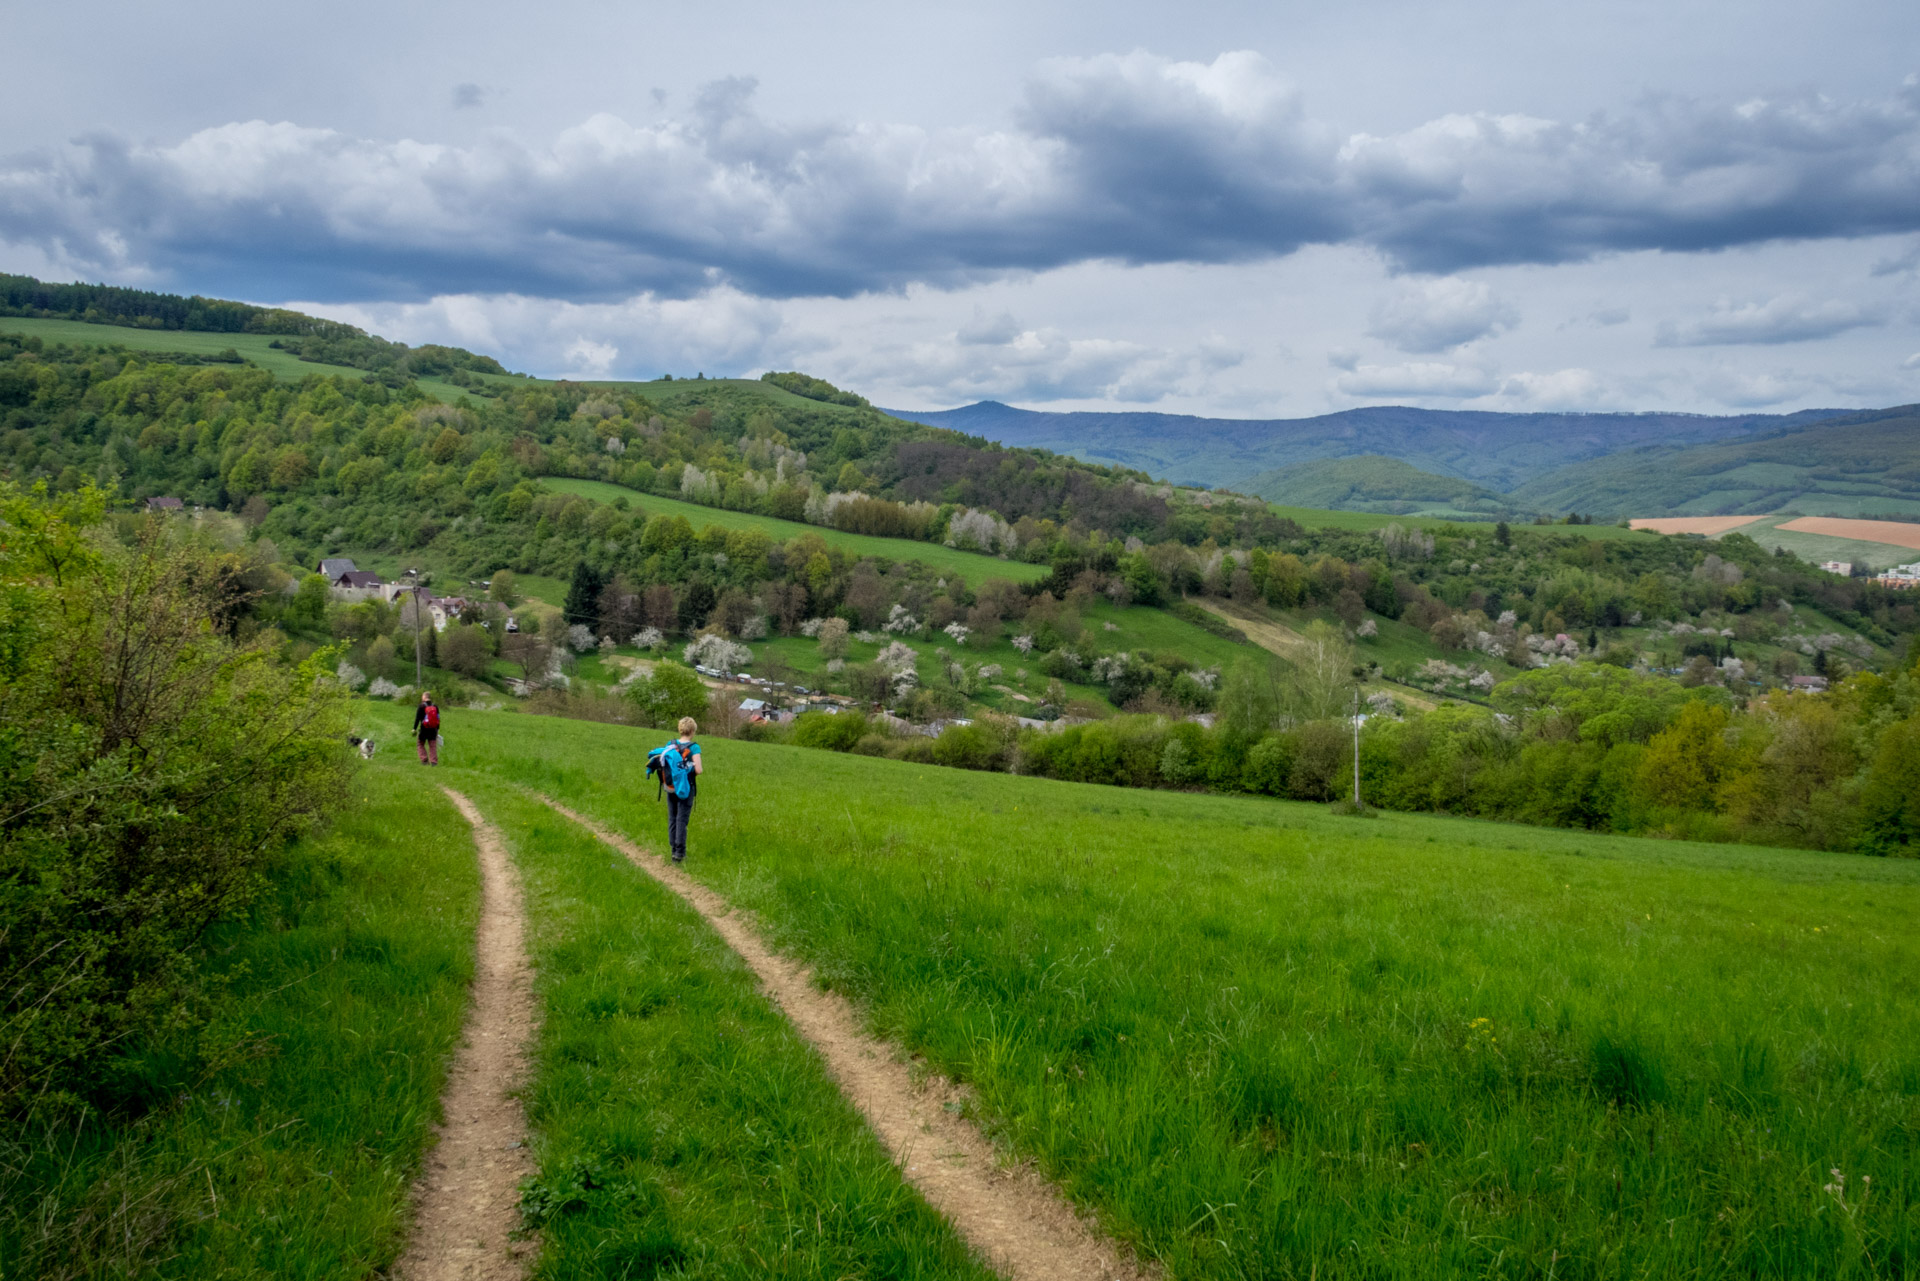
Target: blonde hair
{"x":687,"y":726}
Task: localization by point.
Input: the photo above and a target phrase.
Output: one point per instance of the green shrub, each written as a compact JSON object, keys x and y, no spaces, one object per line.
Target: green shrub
{"x":149,"y":765}
{"x":836,"y":732}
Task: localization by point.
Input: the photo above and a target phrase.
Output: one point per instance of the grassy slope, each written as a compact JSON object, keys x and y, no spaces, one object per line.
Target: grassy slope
{"x":1866,"y":459}
{"x":971,"y":566}
{"x":1267,"y":1040}
{"x":1370,"y":482}
{"x":719,"y":1144}
{"x":294,"y":1158}
{"x":254,"y":347}
{"x":1317,"y":518}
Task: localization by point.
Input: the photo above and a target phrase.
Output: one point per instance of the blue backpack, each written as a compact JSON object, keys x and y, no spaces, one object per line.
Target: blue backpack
{"x":672,"y":765}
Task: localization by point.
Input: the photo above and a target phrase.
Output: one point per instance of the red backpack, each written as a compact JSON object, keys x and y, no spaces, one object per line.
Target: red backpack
{"x":433,"y":716}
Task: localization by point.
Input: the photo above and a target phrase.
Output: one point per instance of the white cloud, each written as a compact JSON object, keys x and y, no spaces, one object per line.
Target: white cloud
{"x":1778,"y":320}
{"x":1419,"y":379}
{"x":1134,"y":159}
{"x":1435,"y":315}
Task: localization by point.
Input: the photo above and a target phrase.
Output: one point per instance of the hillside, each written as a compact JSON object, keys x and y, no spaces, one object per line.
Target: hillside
{"x":1857,"y":464}
{"x":1371,"y":483}
{"x":1498,"y":451}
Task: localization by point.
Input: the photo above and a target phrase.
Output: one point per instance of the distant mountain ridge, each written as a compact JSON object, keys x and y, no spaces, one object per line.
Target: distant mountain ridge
{"x":1497,"y":451}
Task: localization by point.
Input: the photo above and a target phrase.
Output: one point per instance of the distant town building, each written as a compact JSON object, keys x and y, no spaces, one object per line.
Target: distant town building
{"x":332,"y":567}
{"x":163,"y":504}
{"x":1844,"y":568}
{"x":358,"y":584}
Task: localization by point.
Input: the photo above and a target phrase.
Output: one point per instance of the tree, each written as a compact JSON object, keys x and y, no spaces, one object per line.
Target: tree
{"x":1249,"y":700}
{"x":833,"y":638}
{"x":669,"y":692}
{"x":466,"y":649}
{"x":583,"y":595}
{"x":1502,"y":534}
{"x":1890,"y":800}
{"x":504,"y":589}
{"x":1321,"y":683}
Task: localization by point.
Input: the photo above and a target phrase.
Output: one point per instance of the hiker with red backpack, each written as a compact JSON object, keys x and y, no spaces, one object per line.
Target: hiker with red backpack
{"x":426,"y":729}
{"x":678,"y":768}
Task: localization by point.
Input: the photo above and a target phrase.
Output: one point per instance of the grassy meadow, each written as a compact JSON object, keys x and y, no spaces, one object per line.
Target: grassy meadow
{"x":681,"y":1125}
{"x":1269,"y":1041}
{"x":284,"y":1144}
{"x":973,"y":567}
{"x":256,"y":349}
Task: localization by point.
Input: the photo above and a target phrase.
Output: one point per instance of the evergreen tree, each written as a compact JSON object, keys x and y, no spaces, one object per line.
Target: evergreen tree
{"x":583,"y":595}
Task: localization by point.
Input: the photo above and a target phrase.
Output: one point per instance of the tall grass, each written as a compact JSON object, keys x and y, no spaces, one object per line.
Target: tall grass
{"x":1268,"y":1041}
{"x":683,"y":1127}
{"x":282,"y":1144}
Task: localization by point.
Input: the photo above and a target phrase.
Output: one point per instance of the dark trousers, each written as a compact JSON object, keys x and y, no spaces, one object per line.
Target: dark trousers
{"x":678,"y":812}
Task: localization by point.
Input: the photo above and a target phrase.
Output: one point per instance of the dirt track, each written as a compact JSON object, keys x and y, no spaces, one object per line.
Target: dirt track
{"x":1015,"y":1220}
{"x":467,"y":1201}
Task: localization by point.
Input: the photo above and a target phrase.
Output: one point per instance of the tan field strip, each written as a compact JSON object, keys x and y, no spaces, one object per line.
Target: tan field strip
{"x":1014,"y":1218}
{"x":1892,"y":532}
{"x":467,"y":1202}
{"x":1708,"y":525}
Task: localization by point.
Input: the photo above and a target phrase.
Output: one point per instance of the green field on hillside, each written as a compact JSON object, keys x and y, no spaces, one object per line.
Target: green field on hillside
{"x":1266,"y":1040}
{"x":255,"y":348}
{"x":970,"y":566}
{"x":1815,"y":548}
{"x":1366,"y":522}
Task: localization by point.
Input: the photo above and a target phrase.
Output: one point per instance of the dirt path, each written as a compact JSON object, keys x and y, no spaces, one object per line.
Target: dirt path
{"x":1014,"y":1218}
{"x":467,"y":1200}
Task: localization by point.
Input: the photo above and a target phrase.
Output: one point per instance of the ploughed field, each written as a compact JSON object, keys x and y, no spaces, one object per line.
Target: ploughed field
{"x":1261,"y":1039}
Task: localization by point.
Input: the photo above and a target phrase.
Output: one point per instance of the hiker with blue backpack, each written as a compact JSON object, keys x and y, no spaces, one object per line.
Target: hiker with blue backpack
{"x":678,"y":768}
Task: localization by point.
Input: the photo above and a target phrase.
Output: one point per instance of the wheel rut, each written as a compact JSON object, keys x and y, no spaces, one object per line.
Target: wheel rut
{"x":1017,"y":1221}
{"x":466,"y":1202}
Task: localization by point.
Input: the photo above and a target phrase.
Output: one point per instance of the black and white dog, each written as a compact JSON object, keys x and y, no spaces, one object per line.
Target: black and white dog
{"x":364,"y":744}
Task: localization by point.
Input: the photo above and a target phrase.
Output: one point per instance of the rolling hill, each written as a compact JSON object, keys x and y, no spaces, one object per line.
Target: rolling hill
{"x":1860,"y":463}
{"x":1497,"y":451}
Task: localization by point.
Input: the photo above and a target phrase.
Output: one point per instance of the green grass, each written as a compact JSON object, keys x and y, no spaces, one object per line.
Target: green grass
{"x":1265,"y":1040}
{"x":293,"y":1156}
{"x":1815,"y":548}
{"x":948,"y":561}
{"x":255,"y":348}
{"x":681,"y":1124}
{"x":1366,"y":522}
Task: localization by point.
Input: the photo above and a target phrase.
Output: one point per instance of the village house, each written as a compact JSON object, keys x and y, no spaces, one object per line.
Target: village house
{"x":162,"y":503}
{"x":1844,"y":568}
{"x":331,"y":567}
{"x":358,"y":584}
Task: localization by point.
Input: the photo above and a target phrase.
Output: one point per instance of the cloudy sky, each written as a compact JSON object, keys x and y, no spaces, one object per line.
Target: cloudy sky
{"x":1247,"y":209}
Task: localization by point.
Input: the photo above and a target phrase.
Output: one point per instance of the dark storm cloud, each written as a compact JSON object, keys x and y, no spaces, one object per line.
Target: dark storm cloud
{"x":1131,"y":158}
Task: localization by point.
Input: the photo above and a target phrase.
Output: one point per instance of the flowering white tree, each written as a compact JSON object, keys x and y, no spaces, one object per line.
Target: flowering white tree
{"x":349,"y":675}
{"x":1024,"y":644}
{"x":900,"y":622}
{"x":712,"y":650}
{"x":990,"y":671}
{"x":754,"y":628}
{"x":580,"y":638}
{"x":608,"y":644}
{"x":897,"y":656}
{"x":648,"y":638}
{"x":384,"y":688}
{"x":959,"y":632}
{"x":811,"y":628}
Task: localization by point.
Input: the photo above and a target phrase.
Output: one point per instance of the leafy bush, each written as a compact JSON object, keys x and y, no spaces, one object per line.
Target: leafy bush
{"x":834,"y":732}
{"x":149,"y":766}
{"x":670,"y":692}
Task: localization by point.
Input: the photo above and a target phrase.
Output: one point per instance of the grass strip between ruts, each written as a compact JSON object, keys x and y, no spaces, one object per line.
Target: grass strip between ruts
{"x":680,"y":1122}
{"x":293,"y":1156}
